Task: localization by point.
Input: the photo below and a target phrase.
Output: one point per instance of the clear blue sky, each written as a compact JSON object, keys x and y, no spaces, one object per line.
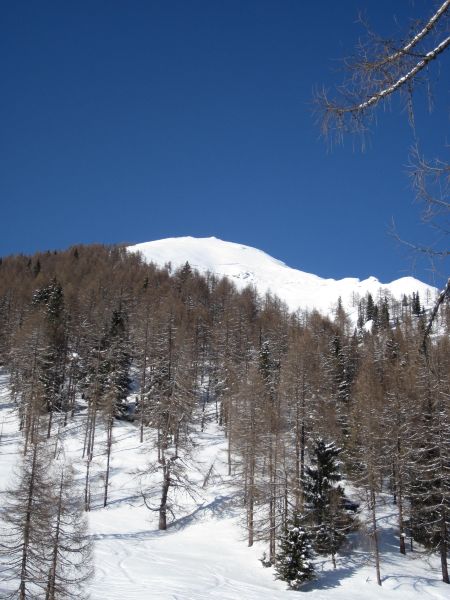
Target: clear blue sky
{"x":133,"y":121}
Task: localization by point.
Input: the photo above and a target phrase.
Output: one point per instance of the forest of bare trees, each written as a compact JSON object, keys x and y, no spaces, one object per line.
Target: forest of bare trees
{"x":304,"y":401}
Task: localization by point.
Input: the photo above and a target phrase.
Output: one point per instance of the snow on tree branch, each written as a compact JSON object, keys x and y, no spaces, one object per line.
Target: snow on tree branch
{"x":420,"y":35}
{"x":400,"y":82}
{"x":379,"y":70}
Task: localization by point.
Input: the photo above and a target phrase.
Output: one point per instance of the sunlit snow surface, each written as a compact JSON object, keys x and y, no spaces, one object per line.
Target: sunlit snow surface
{"x":203,"y":554}
{"x":248,"y":266}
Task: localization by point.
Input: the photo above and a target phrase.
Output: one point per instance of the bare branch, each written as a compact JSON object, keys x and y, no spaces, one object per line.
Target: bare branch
{"x":406,"y":49}
{"x":428,"y":250}
{"x":401,"y":81}
{"x":380,"y":70}
{"x":442,"y":296}
{"x":426,"y":174}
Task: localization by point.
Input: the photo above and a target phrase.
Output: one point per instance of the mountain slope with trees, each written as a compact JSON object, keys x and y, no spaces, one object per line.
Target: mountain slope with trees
{"x":246,"y":266}
{"x":313,"y":411}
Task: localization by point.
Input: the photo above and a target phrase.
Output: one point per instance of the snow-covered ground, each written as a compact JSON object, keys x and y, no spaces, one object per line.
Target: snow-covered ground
{"x":245,"y":265}
{"x":203,"y":554}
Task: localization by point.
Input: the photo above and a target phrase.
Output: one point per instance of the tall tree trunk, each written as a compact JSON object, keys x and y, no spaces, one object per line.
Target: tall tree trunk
{"x":164,"y":494}
{"x":50,"y":592}
{"x":251,"y":499}
{"x":443,"y":546}
{"x":376,"y":548}
{"x":401,"y":524}
{"x":109,"y":441}
{"x":27,"y":528}
{"x":144,"y":374}
{"x":89,"y":457}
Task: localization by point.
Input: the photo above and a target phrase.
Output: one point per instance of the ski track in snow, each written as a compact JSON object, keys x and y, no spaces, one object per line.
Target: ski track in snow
{"x":203,"y":555}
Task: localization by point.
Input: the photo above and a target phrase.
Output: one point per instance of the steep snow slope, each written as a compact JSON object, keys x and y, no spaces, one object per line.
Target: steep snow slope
{"x":203,"y":555}
{"x":248,"y":266}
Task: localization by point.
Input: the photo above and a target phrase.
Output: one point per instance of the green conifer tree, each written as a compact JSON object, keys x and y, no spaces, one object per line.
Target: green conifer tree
{"x":324,"y":499}
{"x":293,"y":562}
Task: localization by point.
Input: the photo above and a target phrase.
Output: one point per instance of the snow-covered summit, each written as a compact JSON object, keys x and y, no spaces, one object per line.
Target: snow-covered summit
{"x":245,"y":266}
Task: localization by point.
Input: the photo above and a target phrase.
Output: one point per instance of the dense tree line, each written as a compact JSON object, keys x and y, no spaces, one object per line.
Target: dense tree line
{"x":303,"y":400}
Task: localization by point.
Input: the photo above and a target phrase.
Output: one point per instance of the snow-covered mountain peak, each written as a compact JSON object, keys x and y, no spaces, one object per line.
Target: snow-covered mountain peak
{"x":245,"y":265}
{"x":205,"y":254}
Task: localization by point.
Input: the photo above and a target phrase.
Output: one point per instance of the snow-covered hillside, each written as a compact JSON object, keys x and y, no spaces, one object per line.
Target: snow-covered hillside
{"x":203,"y":555}
{"x":249,"y":266}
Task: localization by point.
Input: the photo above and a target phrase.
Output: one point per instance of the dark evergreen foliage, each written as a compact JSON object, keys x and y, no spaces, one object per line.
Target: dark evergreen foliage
{"x":294,"y":563}
{"x":415,"y":305}
{"x":324,"y":499}
{"x":370,"y":308}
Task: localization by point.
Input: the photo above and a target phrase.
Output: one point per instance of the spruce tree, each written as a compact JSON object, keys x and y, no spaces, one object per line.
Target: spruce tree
{"x":416,"y":307}
{"x":324,"y":499}
{"x":115,"y":366}
{"x":293,"y":561}
{"x":370,"y":310}
{"x":384,"y":314}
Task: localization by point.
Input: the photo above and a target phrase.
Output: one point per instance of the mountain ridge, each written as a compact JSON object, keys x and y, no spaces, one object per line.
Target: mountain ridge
{"x":245,"y":265}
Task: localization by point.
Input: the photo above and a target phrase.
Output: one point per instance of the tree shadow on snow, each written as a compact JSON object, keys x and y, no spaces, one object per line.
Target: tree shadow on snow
{"x":219,"y":508}
{"x":326,"y":580}
{"x":419,"y":583}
